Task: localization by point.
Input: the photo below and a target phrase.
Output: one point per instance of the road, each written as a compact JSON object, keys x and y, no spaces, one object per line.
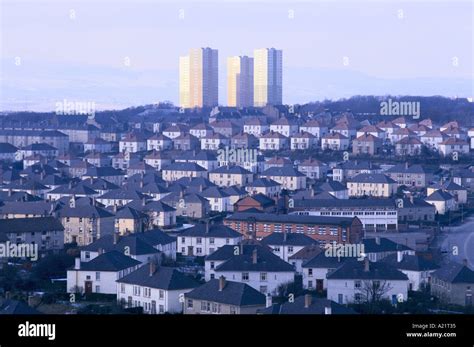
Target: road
{"x":460,"y":238}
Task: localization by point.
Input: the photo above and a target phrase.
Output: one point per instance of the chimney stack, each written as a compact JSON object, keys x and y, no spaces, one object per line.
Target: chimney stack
{"x":377,"y":240}
{"x":307,"y":300}
{"x":116,"y":238}
{"x":221,"y":283}
{"x":100,"y":251}
{"x":152,"y":268}
{"x":328,"y":310}
{"x":254,"y":256}
{"x":464,"y":262}
{"x":207,"y":226}
{"x":268,"y":302}
{"x":77,"y":264}
{"x":399,"y":256}
{"x":366,"y":265}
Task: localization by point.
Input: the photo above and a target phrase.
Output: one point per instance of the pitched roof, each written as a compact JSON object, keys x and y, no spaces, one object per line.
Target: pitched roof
{"x":112,"y":261}
{"x":382,"y":244}
{"x":212,"y":230}
{"x":282,"y":171}
{"x":266,"y":262}
{"x":288,"y":239}
{"x":165,"y":278}
{"x":354,"y":269}
{"x":233,"y":293}
{"x":454,"y":272}
{"x":24,"y":225}
{"x":439,"y":195}
{"x":16,"y":307}
{"x":298,"y":306}
{"x":371,"y":178}
{"x":410,"y":263}
{"x":290,"y":218}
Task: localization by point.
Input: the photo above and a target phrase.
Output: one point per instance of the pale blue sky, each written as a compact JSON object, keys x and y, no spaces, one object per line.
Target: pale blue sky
{"x":428,"y":51}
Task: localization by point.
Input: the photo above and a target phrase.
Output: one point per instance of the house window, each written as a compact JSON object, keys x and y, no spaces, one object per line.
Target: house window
{"x":205,"y":306}
{"x":161,"y":294}
{"x":263,"y":276}
{"x":190,"y":303}
{"x":310,"y":284}
{"x":211,"y":240}
{"x":162,"y":309}
{"x":97,"y":289}
{"x":310,"y":272}
{"x":233,"y":310}
{"x":183,"y":240}
{"x":122,"y":288}
{"x":290,"y":249}
{"x":199,"y":240}
{"x":358,"y":297}
{"x":245,"y":276}
{"x":198,"y":250}
{"x":216,"y":308}
{"x":357,"y":284}
{"x":212,"y":265}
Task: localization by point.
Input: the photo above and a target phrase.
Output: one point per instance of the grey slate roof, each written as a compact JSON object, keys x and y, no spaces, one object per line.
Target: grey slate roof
{"x":266,"y":262}
{"x":24,"y":225}
{"x":287,"y":171}
{"x":354,"y":269}
{"x":317,"y":306}
{"x":134,"y":244}
{"x":228,"y":251}
{"x":112,"y":261}
{"x":386,"y":245}
{"x":320,"y":260}
{"x":166,"y":278}
{"x":214,"y":230}
{"x":16,"y":307}
{"x":410,"y":263}
{"x":233,"y":293}
{"x":288,"y":239}
{"x":291,"y":218}
{"x":371,"y":178}
{"x":454,"y":272}
{"x":439,"y":195}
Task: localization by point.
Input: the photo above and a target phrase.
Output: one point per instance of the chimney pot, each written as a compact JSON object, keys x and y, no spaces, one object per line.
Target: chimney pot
{"x":77,"y":264}
{"x":254,"y":256}
{"x":221,"y":283}
{"x":307,"y":300}
{"x":152,"y":268}
{"x":268,"y":302}
{"x":399,"y":256}
{"x":366,"y":265}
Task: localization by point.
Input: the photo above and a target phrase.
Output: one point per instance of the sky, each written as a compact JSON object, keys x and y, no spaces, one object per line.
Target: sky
{"x":125,"y":52}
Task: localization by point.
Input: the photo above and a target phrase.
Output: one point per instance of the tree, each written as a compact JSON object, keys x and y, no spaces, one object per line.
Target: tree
{"x":372,"y":291}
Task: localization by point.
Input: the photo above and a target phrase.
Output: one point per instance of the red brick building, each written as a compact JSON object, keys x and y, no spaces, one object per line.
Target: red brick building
{"x":320,"y":228}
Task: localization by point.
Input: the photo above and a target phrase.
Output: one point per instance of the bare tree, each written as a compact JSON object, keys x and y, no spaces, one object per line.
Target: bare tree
{"x":373,"y":291}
